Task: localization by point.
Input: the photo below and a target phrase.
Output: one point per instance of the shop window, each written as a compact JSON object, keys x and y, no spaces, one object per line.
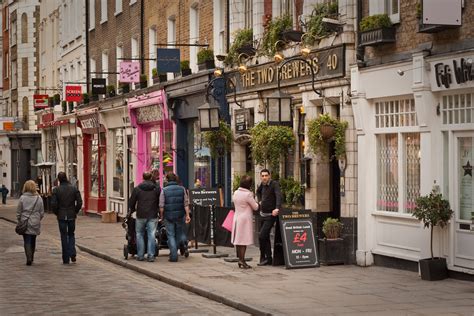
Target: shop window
{"x":97,"y":159}
{"x":202,"y":159}
{"x":466,"y":182}
{"x":398,"y":171}
{"x":160,"y":159}
{"x":118,"y":170}
{"x":395,"y":113}
{"x":458,"y":109}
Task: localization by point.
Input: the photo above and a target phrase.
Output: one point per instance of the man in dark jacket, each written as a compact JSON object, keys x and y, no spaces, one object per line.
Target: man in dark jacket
{"x":269,"y":195}
{"x":5,"y":192}
{"x":174,"y":209}
{"x":66,"y":202}
{"x":144,"y":200}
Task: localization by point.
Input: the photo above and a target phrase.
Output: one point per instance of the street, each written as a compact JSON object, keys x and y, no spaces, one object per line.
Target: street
{"x":90,"y":287}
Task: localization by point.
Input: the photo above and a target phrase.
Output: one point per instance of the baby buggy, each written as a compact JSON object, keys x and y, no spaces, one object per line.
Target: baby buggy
{"x":131,"y":236}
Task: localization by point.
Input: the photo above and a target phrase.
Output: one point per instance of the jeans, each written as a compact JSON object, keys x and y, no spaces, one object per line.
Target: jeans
{"x":176,"y":236}
{"x":4,"y":200}
{"x":149,"y":225}
{"x":68,"y":240}
{"x":29,"y":241}
{"x":264,"y":237}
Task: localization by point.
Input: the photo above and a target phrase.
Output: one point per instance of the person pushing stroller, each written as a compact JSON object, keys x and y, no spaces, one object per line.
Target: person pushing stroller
{"x":145,"y":201}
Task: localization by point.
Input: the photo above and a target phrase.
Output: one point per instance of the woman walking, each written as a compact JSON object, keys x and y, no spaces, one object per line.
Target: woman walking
{"x":30,"y":208}
{"x":242,"y":232}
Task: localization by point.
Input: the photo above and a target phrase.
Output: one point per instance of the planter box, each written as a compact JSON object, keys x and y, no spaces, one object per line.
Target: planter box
{"x":292,"y":36}
{"x":377,"y":37}
{"x":208,"y":64}
{"x":186,"y":72}
{"x":433,"y":269}
{"x":331,"y":251}
{"x":249,"y":50}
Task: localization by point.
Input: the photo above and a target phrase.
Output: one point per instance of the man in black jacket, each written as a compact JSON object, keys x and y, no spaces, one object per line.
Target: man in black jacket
{"x":269,"y":195}
{"x":66,"y":202}
{"x":144,"y":200}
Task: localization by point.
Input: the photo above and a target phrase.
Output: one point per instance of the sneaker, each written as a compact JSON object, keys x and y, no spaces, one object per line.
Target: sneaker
{"x":73,"y":258}
{"x":140,"y":259}
{"x":171,"y":260}
{"x":186,"y":253}
{"x":152,"y":259}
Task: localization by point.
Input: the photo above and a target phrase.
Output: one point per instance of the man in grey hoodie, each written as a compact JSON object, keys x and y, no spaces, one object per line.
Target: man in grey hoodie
{"x":144,"y":200}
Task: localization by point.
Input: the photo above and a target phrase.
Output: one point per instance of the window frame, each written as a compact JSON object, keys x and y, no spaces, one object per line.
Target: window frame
{"x":381,"y":7}
{"x":103,"y":13}
{"x":117,"y":12}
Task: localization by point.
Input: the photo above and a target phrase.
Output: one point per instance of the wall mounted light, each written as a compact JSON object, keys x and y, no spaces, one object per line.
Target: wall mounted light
{"x":278,"y":57}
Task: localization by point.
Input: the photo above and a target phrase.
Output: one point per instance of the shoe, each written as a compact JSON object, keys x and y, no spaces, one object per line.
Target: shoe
{"x":140,"y":259}
{"x":65,"y":262}
{"x":28,"y":263}
{"x":171,"y":260}
{"x":243,"y":265}
{"x":266,"y":262}
{"x":152,"y":259}
{"x":73,"y":258}
{"x":186,"y":253}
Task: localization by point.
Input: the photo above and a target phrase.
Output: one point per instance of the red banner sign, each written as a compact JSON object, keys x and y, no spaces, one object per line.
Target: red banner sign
{"x":40,"y":101}
{"x":73,"y":93}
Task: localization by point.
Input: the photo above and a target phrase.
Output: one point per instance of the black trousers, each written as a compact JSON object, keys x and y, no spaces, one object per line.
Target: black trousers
{"x":264,"y":237}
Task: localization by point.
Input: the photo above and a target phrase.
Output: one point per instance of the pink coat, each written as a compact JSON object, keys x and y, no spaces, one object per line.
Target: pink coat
{"x":242,"y":232}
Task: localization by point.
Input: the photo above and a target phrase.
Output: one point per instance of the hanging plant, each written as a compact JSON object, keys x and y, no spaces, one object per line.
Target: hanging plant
{"x":219,"y":141}
{"x":315,"y":25}
{"x":243,"y":37}
{"x":273,"y":33}
{"x":270,"y":143}
{"x":292,"y":191}
{"x":319,"y":134}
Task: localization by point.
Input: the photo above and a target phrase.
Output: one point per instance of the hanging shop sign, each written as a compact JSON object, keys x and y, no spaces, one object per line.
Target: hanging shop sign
{"x":98,"y":86}
{"x":150,"y":113}
{"x":204,"y":197}
{"x":326,"y":63}
{"x":298,"y":239}
{"x":40,"y":101}
{"x":243,"y":120}
{"x":90,"y":123}
{"x":130,"y":71}
{"x":452,"y":73}
{"x":167,"y":60}
{"x":73,"y":93}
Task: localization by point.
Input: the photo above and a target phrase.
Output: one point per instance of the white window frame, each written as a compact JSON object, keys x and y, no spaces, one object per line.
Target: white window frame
{"x":152,"y":34}
{"x":133,"y":2}
{"x":219,"y":26}
{"x":384,"y":6}
{"x":103,"y":11}
{"x":171,"y":38}
{"x":118,"y":7}
{"x":135,"y":52}
{"x":193,"y":36}
{"x":105,"y":66}
{"x":118,"y":55}
{"x":93,"y":67}
{"x":91,"y":15}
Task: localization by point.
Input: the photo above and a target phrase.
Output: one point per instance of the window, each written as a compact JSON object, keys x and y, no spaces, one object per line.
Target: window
{"x":119,"y":55}
{"x":202,"y":157}
{"x":6,"y":63}
{"x":134,"y":54}
{"x":25,"y":111}
{"x":105,"y":65}
{"x":248,"y":9}
{"x":13,"y":34}
{"x":286,"y":7}
{"x":118,"y":6}
{"x":14,"y":74}
{"x":91,"y":14}
{"x":390,"y":7}
{"x":151,"y":51}
{"x":24,"y":72}
{"x":193,"y":36}
{"x":395,"y":113}
{"x":458,"y":109}
{"x":133,"y":2}
{"x":93,"y":68}
{"x":24,"y":28}
{"x":103,"y":11}
{"x":220,"y":27}
{"x":398,"y":171}
{"x":97,"y":160}
{"x":118,"y":163}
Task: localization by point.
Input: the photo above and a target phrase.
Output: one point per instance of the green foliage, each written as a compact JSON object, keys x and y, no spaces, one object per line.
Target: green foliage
{"x":204,"y":55}
{"x":242,"y":37}
{"x":184,"y":64}
{"x":219,"y":141}
{"x":57,"y":98}
{"x":85,"y":97}
{"x":315,"y":25}
{"x":273,"y":33}
{"x":332,"y":228}
{"x":236,"y":181}
{"x":292,"y":191}
{"x":432,"y":210}
{"x":270,"y":143}
{"x":154,"y":73}
{"x":143,"y":78}
{"x":318,"y":144}
{"x":110,"y":88}
{"x":373,"y":22}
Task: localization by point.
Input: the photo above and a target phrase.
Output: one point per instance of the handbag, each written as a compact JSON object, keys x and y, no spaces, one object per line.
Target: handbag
{"x":228,"y":221}
{"x":22,"y":225}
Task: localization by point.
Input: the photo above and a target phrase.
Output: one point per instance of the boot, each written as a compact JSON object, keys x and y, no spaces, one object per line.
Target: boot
{"x":29,"y":254}
{"x":33,"y":249}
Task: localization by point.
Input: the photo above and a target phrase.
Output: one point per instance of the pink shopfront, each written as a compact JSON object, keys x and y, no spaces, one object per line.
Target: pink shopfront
{"x":155,"y":135}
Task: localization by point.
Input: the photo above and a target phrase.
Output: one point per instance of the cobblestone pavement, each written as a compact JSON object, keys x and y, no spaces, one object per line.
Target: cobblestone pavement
{"x":333,"y":290}
{"x":89,"y":287}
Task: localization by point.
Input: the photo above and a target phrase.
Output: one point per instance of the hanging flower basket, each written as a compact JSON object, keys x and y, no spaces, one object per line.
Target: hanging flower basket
{"x":325,"y":129}
{"x":327,"y":132}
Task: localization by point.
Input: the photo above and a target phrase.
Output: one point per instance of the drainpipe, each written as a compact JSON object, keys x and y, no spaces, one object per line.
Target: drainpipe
{"x":142,"y":35}
{"x":88,"y":66}
{"x":359,"y":50}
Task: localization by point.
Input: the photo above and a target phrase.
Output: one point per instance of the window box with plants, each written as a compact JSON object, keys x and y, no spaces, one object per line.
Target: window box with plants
{"x":154,"y":76}
{"x":242,"y":44}
{"x":274,"y":33}
{"x":110,"y":91}
{"x":433,"y":211}
{"x":85,"y":98}
{"x":71,"y":106}
{"x":143,"y":81}
{"x":64,"y":107}
{"x":331,"y":247}
{"x":322,"y":131}
{"x":57,"y":99}
{"x":205,"y":59}
{"x":185,"y":69}
{"x":376,"y":30}
{"x":124,"y":87}
{"x":315,"y":25}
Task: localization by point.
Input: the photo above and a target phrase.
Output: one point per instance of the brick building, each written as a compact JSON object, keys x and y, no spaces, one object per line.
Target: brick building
{"x":413,"y":104}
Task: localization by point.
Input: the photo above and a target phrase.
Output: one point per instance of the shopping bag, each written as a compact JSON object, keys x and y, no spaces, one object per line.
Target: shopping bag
{"x":229,"y":220}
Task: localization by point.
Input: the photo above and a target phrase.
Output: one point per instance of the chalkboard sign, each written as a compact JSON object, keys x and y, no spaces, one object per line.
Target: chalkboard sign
{"x":204,"y":197}
{"x":298,"y":239}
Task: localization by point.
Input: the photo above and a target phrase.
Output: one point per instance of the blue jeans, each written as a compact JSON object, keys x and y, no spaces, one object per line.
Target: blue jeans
{"x":175,"y":232}
{"x":149,"y":225}
{"x":68,"y":240}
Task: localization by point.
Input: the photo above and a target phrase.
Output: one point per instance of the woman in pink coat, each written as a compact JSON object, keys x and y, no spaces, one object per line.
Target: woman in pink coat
{"x":242,"y":226}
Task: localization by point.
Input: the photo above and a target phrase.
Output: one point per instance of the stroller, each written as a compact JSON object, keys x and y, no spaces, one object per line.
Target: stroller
{"x":131,"y":236}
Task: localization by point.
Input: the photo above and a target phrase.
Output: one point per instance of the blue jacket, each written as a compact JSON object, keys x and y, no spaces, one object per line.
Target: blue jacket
{"x":174,"y":201}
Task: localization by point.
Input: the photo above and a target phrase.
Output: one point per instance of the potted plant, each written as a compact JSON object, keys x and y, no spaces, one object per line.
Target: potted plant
{"x":185,"y":69}
{"x":292,"y":193}
{"x":331,"y":247}
{"x":205,"y":59}
{"x":154,"y":76}
{"x":433,"y":211}
{"x":64,"y":107}
{"x":324,"y":129}
{"x":124,"y":87}
{"x":110,"y":91}
{"x":143,"y":81}
{"x":269,"y":144}
{"x":273,"y":33}
{"x":243,"y":40}
{"x":71,"y":106}
{"x":85,"y":98}
{"x":219,"y":141}
{"x":376,"y":30}
{"x":57,"y":99}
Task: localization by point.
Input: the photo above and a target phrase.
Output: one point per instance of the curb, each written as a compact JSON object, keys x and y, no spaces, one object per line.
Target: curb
{"x":194,"y":289}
